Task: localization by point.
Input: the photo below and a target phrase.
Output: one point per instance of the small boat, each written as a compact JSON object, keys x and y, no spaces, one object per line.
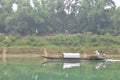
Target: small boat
{"x":73,"y":59}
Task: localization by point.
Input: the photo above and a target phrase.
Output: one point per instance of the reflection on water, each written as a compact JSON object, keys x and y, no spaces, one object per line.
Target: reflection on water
{"x":70,"y":65}
{"x":4,"y":58}
{"x":98,"y":65}
{"x":101,"y":65}
{"x":66,"y":65}
{"x":34,"y":69}
{"x":4,"y":54}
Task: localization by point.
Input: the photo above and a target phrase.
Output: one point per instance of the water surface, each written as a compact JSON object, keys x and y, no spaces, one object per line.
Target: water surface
{"x":34,"y":68}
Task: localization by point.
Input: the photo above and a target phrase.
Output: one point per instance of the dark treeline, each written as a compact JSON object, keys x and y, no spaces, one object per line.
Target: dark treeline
{"x":59,"y":16}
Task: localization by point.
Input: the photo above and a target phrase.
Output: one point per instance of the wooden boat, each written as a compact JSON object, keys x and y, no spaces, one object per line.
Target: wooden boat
{"x":73,"y":59}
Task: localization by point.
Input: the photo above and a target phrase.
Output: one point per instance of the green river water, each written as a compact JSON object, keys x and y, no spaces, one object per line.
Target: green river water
{"x":36,"y":69}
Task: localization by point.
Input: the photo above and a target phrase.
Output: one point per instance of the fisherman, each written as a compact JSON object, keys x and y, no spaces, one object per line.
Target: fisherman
{"x":97,"y":54}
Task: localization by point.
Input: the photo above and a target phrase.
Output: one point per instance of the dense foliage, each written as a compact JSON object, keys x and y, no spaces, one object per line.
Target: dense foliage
{"x":59,"y":16}
{"x":73,"y":42}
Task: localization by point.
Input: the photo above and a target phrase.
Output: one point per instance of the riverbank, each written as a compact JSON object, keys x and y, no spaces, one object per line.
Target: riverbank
{"x":56,"y":44}
{"x":38,"y":52}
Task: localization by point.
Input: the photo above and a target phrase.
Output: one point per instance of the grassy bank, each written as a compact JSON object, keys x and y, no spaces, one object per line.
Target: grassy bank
{"x":84,"y":43}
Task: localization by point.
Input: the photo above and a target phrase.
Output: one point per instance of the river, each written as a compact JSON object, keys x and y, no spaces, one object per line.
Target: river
{"x":34,"y":68}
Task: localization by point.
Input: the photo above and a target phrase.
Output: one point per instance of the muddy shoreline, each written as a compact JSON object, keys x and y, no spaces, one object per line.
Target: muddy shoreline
{"x":51,"y":52}
{"x":41,"y":50}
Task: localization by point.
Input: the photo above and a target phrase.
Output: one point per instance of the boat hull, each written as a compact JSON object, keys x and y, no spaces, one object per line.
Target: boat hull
{"x":73,"y":59}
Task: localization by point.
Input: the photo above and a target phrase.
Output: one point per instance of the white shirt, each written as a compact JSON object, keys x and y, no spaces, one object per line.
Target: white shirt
{"x":97,"y":53}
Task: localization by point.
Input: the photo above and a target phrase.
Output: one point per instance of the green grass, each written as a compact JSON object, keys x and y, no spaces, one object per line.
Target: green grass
{"x":64,"y":42}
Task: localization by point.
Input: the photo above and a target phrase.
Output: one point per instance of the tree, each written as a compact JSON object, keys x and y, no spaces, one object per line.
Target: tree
{"x":115,"y":17}
{"x":59,"y":16}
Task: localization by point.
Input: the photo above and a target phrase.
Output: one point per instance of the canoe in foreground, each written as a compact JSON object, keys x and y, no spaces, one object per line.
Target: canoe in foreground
{"x":73,"y":59}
